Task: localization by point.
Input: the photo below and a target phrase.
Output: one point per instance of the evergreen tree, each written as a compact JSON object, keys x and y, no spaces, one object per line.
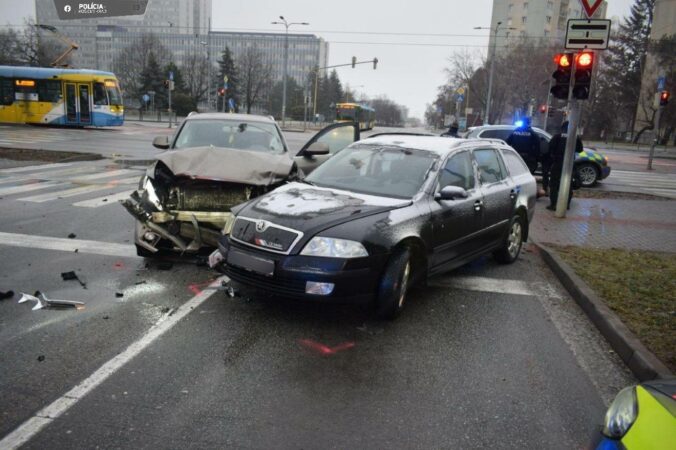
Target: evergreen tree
{"x":152,"y":79}
{"x":179,"y":82}
{"x":227,"y":67}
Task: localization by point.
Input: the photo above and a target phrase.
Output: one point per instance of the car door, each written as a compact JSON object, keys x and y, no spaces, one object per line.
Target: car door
{"x":456,"y":224}
{"x":336,"y":136}
{"x":499,"y":195}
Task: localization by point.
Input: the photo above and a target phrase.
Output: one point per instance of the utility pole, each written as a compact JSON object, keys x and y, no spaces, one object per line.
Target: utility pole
{"x":571,"y":140}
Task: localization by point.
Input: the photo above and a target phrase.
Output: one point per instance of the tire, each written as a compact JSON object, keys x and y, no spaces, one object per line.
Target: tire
{"x":588,"y":174}
{"x":394,"y":285}
{"x":511,"y":247}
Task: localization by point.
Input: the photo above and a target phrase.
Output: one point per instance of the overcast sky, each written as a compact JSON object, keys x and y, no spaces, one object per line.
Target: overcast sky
{"x":408,"y":74}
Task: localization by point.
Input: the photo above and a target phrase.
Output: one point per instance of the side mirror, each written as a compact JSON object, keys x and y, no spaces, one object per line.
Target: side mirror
{"x":161,"y":142}
{"x":317,"y":149}
{"x":451,"y":193}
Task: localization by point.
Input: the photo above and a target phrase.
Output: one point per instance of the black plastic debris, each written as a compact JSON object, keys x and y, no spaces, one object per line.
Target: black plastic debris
{"x":6,"y":295}
{"x":72,"y":236}
{"x":66,"y":276}
{"x":42,"y":301}
{"x":140,"y":282}
{"x":165,"y":265}
{"x":119,"y":294}
{"x":41,"y":358}
{"x":106,"y":317}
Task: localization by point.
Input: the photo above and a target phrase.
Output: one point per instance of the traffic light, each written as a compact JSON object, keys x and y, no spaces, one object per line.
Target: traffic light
{"x":375,"y":63}
{"x":354,"y":61}
{"x":166,"y":84}
{"x":664,"y":98}
{"x":543,"y":109}
{"x":221,"y":92}
{"x":562,"y":75}
{"x":584,"y":65}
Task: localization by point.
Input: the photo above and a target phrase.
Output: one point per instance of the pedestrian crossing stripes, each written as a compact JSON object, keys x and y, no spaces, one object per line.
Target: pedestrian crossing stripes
{"x":661,"y":184}
{"x":62,"y":181}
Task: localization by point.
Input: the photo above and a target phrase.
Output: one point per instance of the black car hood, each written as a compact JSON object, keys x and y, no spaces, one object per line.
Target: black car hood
{"x":312,"y":209}
{"x":230,"y":165}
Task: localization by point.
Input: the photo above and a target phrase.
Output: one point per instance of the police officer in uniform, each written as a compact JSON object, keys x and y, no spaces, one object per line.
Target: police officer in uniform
{"x":452,"y":130}
{"x":552,"y":165}
{"x":524,"y":140}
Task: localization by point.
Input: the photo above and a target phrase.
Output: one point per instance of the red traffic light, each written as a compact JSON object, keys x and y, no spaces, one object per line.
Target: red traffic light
{"x":584,"y":59}
{"x":543,"y":109}
{"x":562,"y":59}
{"x":664,"y":98}
{"x":221,"y":92}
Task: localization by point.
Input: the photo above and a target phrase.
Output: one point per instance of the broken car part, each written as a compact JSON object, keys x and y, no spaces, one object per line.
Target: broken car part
{"x":41,"y":302}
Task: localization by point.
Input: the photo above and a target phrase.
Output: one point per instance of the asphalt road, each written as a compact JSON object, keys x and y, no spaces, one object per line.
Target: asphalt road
{"x":486,"y":356}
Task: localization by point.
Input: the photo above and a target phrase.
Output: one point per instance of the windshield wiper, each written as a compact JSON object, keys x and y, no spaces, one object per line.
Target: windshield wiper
{"x":303,"y":180}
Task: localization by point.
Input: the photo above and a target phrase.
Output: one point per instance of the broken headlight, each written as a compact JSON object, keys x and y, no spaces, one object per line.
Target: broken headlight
{"x":150,"y":194}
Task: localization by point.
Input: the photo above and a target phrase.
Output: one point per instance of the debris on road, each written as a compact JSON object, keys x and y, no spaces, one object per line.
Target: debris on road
{"x":119,"y":294}
{"x":41,"y":358}
{"x":66,"y":276}
{"x":72,"y":236}
{"x":41,"y":302}
{"x":165,"y":265}
{"x":6,"y":295}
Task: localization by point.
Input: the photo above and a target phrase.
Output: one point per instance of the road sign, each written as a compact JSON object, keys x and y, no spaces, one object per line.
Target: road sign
{"x":460,"y":90}
{"x":225,"y":78}
{"x":460,"y":98}
{"x":590,"y":6}
{"x":171,"y":76}
{"x":661,"y":83}
{"x":146,"y":98}
{"x":588,"y":34}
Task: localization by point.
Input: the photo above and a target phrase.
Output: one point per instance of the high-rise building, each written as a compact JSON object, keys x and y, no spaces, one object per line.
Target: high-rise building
{"x":183,"y":27}
{"x":546,"y":19}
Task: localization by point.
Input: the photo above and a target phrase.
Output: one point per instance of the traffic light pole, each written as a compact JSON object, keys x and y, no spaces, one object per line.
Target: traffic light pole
{"x":658,"y":117}
{"x":569,"y":155}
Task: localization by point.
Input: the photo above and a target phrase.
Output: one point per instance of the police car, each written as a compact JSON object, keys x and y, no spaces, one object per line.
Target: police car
{"x":591,"y":166}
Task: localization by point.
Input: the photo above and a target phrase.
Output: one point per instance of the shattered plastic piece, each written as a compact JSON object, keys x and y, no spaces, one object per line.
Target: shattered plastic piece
{"x":41,"y":358}
{"x":119,"y":294}
{"x":66,"y":276}
{"x":6,"y":295}
{"x":41,"y":301}
{"x":72,"y":236}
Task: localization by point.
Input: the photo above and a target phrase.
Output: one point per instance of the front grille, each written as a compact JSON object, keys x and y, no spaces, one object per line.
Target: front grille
{"x":213,"y":197}
{"x":273,"y":238}
{"x":280,"y":286}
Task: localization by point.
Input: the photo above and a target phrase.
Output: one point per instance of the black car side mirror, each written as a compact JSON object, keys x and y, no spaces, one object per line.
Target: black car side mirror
{"x":316,"y":149}
{"x":161,"y":142}
{"x":451,"y":193}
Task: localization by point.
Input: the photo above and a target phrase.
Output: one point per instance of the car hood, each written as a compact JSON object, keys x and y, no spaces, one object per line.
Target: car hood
{"x":311,"y":209}
{"x":226,"y":164}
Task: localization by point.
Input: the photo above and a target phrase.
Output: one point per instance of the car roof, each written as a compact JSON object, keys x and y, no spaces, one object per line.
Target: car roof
{"x":438,"y":144}
{"x":500,"y":127}
{"x":230,"y":116}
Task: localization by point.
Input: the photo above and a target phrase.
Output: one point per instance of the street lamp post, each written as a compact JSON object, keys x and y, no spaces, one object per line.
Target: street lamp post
{"x":286,"y":60}
{"x":492,"y":69}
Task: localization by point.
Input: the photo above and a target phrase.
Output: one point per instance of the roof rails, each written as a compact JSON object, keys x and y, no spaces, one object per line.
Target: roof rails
{"x":400,"y":133}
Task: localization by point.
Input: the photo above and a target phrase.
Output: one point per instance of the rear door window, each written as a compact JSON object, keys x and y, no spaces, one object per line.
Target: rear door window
{"x":496,"y":134}
{"x":514,"y":163}
{"x":490,"y":167}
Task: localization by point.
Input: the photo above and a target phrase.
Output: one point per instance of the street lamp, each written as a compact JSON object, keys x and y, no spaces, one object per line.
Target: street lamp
{"x":286,"y":60}
{"x":490,"y":76}
{"x":206,"y":45}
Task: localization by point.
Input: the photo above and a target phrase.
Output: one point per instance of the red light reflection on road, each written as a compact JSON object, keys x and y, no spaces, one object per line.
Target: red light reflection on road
{"x":197,"y":288}
{"x":325,"y":350}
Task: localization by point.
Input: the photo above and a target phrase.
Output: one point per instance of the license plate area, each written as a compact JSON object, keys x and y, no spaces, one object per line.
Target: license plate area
{"x":261,"y":266}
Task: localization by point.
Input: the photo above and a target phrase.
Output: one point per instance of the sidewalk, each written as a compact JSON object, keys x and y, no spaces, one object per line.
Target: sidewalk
{"x":604,"y":223}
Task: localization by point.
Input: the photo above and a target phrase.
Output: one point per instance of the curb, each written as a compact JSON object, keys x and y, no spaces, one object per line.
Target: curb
{"x":641,"y":361}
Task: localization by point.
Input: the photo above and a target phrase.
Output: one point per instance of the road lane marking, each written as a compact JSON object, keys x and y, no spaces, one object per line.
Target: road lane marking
{"x":50,"y":413}
{"x":41,"y":198}
{"x":103,"y":201}
{"x":484,"y":284}
{"x":67,"y":245}
{"x":38,"y":167}
{"x":112,"y":173}
{"x":31,"y":187}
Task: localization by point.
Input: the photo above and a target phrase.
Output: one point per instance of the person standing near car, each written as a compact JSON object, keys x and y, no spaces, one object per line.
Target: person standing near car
{"x":554,"y":163}
{"x":452,"y":130}
{"x":524,"y":140}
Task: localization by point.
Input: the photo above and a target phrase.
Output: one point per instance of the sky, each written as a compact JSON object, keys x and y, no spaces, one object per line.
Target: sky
{"x":410,"y":66}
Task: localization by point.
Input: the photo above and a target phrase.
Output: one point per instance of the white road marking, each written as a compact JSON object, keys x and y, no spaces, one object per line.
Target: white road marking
{"x":30,"y":187}
{"x":483,"y":284}
{"x":38,"y":167}
{"x":57,"y":408}
{"x":112,"y":173}
{"x":67,"y":245}
{"x":76,"y":191}
{"x":103,"y":201}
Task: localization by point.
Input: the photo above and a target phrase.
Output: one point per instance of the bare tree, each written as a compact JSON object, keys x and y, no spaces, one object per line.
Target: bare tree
{"x":255,"y":76}
{"x":196,"y":75}
{"x":11,"y":53}
{"x":131,"y":62}
{"x":40,"y":48}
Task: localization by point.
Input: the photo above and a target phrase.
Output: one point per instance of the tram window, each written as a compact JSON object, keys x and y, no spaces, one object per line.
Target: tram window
{"x":100,"y":97}
{"x":6,"y":91}
{"x":49,"y":91}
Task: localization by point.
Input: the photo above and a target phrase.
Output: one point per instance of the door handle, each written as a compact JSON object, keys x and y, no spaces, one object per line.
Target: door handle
{"x":478,"y":205}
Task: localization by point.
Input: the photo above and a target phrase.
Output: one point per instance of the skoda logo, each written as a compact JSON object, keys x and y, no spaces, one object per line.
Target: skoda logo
{"x":261,"y":226}
{"x":67,"y":8}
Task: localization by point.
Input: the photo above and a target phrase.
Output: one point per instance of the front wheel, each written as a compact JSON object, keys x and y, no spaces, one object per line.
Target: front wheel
{"x":394,"y":285}
{"x":511,"y":247}
{"x":588,"y":174}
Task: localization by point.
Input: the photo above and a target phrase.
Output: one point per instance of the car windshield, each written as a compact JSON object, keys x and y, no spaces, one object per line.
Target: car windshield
{"x":236,"y":134}
{"x":376,"y":170}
